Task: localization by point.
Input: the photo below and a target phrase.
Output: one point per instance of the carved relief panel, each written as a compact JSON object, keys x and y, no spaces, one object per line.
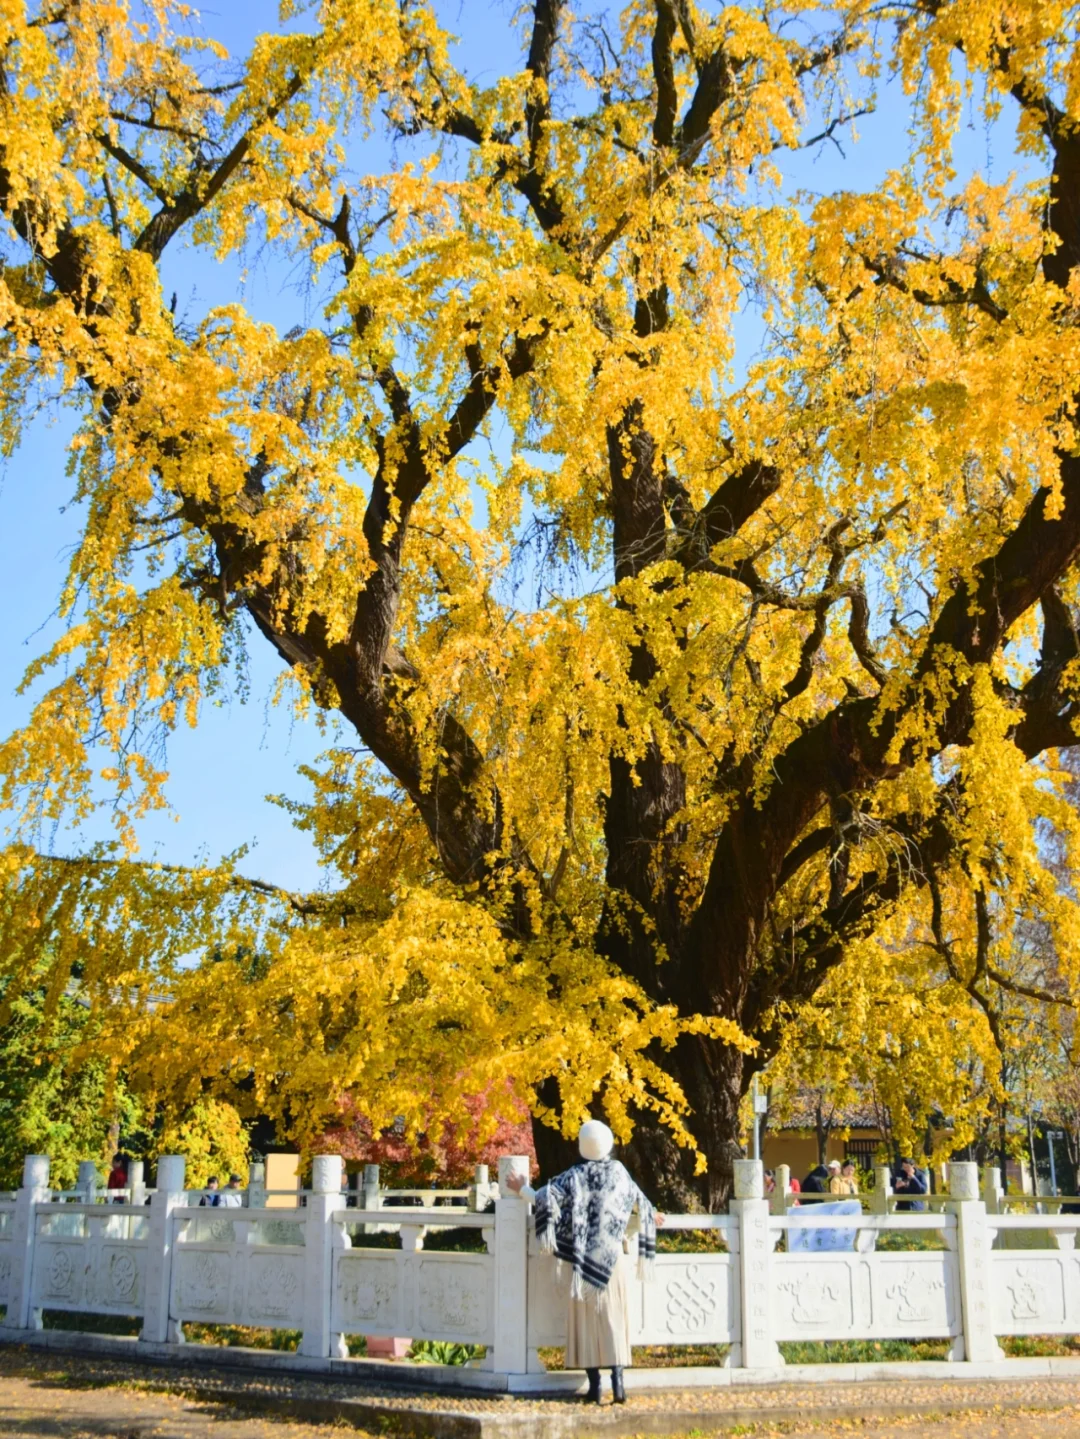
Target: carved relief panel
{"x":1030,"y":1291}
{"x":367,"y":1292}
{"x":100,"y":1272}
{"x":118,"y":1277}
{"x":815,"y":1298}
{"x":870,"y":1296}
{"x":59,"y":1275}
{"x":201,"y":1284}
{"x":690,"y":1301}
{"x":454,"y":1299}
{"x":916,"y":1294}
{"x":275,"y":1290}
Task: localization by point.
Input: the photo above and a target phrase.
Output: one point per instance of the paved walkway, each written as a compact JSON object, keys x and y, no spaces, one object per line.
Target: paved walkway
{"x":45,"y":1396}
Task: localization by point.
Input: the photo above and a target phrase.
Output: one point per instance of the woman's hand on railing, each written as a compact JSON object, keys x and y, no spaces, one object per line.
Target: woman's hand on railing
{"x":515,"y":1183}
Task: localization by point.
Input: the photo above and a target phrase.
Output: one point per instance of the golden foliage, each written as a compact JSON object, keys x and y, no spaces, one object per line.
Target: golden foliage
{"x":480,"y":370}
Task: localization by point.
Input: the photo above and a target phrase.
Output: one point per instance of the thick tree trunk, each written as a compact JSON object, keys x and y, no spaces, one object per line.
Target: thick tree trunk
{"x":714,"y":1077}
{"x":553,"y":1152}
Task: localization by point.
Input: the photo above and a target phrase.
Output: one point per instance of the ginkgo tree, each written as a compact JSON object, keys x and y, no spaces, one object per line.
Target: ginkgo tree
{"x":803,"y":633}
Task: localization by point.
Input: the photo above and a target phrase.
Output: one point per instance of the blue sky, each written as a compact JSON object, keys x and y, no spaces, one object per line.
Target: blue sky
{"x":221,"y":774}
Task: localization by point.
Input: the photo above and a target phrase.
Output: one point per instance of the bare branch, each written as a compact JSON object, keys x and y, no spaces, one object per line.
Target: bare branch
{"x":305,"y":905}
{"x":663,"y":63}
{"x":135,"y":167}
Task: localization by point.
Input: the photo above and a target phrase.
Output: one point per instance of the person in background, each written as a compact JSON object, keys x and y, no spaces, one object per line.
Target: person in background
{"x":843,"y":1180}
{"x":909,"y":1181}
{"x":817,"y":1181}
{"x":232,"y":1196}
{"x":118,"y":1178}
{"x":770,"y":1182}
{"x":581,"y":1217}
{"x":211,"y":1198}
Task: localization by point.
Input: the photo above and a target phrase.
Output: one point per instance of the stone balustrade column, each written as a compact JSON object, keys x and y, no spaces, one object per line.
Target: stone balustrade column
{"x":511,"y":1271}
{"x":992,"y":1191}
{"x":780,"y":1198}
{"x":973,"y":1252}
{"x":325,"y":1200}
{"x":157,"y":1327}
{"x":34,"y":1191}
{"x":256,"y":1186}
{"x":87,"y":1182}
{"x":136,"y":1182}
{"x":882,"y":1190}
{"x":370,"y":1195}
{"x":749,"y":1207}
{"x":480,"y":1189}
{"x":372,"y":1191}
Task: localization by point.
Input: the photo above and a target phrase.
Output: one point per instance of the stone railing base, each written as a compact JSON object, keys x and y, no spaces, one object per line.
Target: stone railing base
{"x":455,"y":1378}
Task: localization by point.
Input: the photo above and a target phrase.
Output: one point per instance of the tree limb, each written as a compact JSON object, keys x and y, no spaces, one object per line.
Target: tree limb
{"x":204,"y":185}
{"x":890,"y":270}
{"x":663,"y":63}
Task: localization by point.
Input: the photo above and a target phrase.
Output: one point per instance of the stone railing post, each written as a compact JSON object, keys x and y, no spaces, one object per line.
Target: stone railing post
{"x":34,"y":1191}
{"x":87,"y":1182}
{"x":479,"y":1189}
{"x":992,"y":1191}
{"x":370,"y":1195}
{"x":136,"y":1182}
{"x":157,"y":1328}
{"x":511,"y":1271}
{"x":882,"y":1190}
{"x":781,"y":1195}
{"x":973,"y":1241}
{"x":759,"y":1349}
{"x":323,"y":1203}
{"x":256,"y":1186}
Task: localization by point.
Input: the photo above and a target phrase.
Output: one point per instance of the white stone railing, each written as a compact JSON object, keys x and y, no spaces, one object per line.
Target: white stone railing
{"x":693,"y":1299}
{"x":778,"y":1276}
{"x":386,"y":1292}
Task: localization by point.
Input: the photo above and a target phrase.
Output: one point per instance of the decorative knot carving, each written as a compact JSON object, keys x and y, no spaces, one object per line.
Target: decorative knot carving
{"x":691,"y":1301}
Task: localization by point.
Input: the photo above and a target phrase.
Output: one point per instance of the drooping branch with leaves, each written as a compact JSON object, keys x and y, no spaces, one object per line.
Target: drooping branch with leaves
{"x":804,"y":625}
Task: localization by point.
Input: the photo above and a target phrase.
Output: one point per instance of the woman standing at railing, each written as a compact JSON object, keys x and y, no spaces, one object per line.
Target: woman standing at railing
{"x":582,"y":1216}
{"x":118,"y":1178}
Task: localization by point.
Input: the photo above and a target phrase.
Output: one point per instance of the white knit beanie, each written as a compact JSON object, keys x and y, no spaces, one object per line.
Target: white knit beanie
{"x":595,"y":1140}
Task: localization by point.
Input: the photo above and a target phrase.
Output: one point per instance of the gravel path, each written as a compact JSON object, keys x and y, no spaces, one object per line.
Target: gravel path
{"x":60,"y":1396}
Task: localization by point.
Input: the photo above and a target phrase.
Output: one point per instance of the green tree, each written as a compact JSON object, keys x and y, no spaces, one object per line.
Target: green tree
{"x":53,"y":1100}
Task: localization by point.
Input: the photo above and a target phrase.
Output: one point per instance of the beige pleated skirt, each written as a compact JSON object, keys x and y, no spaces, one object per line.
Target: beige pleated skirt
{"x":598,"y":1334}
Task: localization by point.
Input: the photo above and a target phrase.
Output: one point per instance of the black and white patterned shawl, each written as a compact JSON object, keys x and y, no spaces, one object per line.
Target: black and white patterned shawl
{"x":581,"y":1217}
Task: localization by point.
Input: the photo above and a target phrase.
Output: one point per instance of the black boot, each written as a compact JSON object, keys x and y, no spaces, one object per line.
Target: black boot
{"x":593,"y":1396}
{"x":618,"y":1388}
